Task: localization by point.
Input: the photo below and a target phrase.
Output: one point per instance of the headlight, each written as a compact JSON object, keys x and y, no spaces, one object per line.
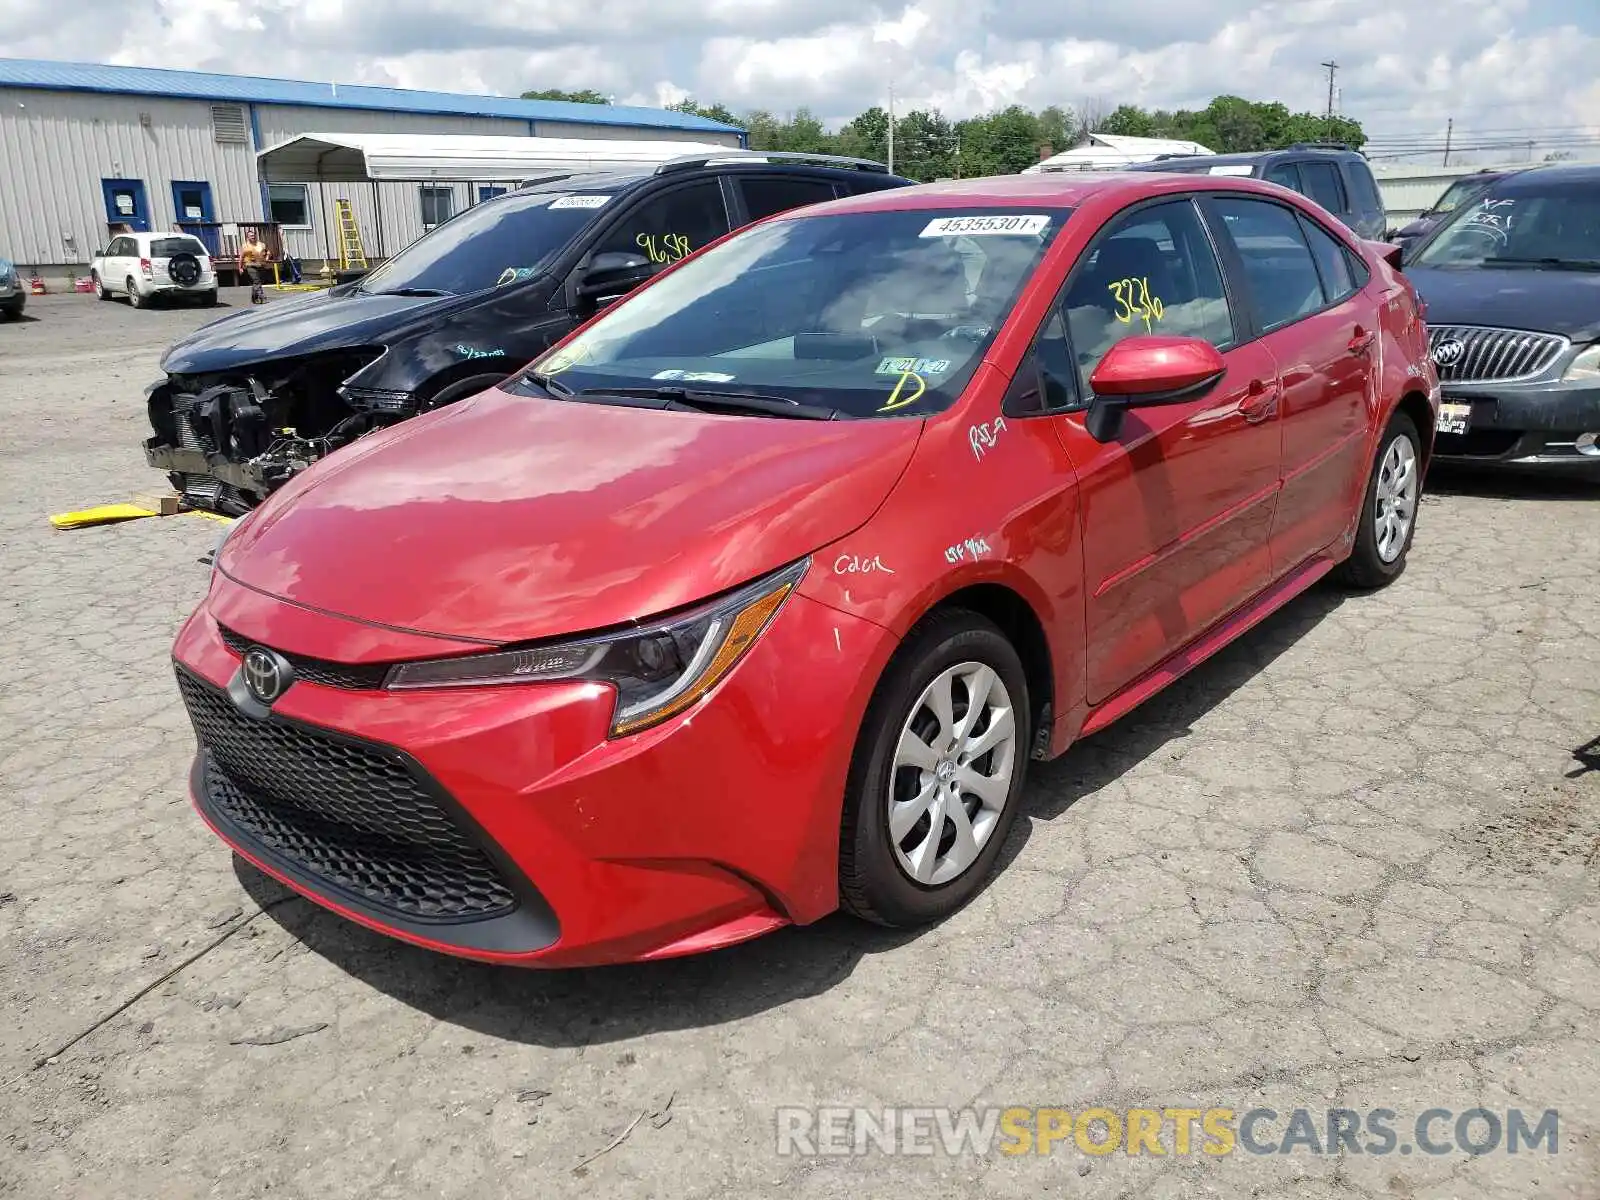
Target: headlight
{"x":658,"y":670}
{"x":1585,"y":366}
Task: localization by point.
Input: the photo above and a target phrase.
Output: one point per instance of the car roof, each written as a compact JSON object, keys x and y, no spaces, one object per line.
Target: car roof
{"x":597,"y":181}
{"x":1054,"y":189}
{"x":1532,"y":177}
{"x":1252,"y":157}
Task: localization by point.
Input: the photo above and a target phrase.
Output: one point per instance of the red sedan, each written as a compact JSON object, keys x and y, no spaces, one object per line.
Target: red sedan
{"x":755,"y":596}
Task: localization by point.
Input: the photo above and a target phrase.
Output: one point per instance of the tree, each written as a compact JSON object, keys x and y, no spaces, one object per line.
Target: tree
{"x":713,"y":112}
{"x":587,"y":96}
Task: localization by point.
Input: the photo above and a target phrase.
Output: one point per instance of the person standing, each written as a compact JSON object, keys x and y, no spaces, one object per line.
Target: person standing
{"x":253,"y":259}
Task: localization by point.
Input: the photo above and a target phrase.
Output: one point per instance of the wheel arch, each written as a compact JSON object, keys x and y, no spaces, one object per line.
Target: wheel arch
{"x":1017,"y":619}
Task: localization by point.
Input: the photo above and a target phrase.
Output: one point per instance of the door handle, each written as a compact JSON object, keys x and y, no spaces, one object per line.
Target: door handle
{"x":1260,"y":401}
{"x":1362,"y":341}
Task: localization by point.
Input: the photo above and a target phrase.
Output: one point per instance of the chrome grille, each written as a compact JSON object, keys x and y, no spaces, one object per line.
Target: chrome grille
{"x":1492,"y":354}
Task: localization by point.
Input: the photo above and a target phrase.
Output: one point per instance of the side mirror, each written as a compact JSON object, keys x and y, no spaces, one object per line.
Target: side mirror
{"x":611,"y":274}
{"x":1149,"y":370}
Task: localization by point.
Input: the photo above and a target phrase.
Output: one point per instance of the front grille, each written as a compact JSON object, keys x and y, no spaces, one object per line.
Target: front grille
{"x":351,"y":677}
{"x":356,"y":816}
{"x":1490,"y":355}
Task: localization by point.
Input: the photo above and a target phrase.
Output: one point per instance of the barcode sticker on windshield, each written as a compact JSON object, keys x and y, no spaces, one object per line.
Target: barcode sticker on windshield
{"x":1015,"y":224}
{"x":580,"y":202}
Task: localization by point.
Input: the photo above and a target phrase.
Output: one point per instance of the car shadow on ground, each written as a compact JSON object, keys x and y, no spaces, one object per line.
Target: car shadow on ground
{"x":1454,"y":479}
{"x":602,"y":1005}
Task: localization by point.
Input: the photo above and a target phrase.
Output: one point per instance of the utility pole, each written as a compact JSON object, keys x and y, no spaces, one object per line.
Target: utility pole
{"x":891,"y":129}
{"x":1449,"y":129}
{"x":1332,"y":67}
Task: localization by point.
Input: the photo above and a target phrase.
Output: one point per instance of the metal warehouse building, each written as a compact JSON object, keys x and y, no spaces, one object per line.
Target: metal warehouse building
{"x":85,"y":147}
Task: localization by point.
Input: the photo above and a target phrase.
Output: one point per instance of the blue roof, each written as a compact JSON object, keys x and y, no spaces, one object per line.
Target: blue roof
{"x":252,"y":89}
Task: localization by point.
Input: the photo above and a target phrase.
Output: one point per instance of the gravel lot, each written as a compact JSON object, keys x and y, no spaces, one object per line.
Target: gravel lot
{"x":1350,"y":862}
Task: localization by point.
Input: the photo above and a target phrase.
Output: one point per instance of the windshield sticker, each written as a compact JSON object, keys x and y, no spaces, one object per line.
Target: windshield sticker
{"x":982,"y":438}
{"x":1134,"y":300}
{"x":664,"y":248}
{"x":695,"y":376}
{"x":970,"y":550}
{"x":515,"y":275}
{"x":897,"y":399}
{"x":1240,"y":169}
{"x":1015,"y":225}
{"x":917,"y":366}
{"x":580,"y":202}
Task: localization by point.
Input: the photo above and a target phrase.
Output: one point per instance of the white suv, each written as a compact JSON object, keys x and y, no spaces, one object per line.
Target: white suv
{"x":143,"y":266}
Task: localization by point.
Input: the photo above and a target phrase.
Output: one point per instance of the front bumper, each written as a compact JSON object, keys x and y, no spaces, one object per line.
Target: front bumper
{"x":1537,"y":425}
{"x":246,"y":476}
{"x":707,"y":830}
{"x":14,"y":301}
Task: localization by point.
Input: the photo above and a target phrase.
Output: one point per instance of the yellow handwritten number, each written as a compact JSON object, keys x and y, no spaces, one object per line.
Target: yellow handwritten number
{"x":1135,"y":301}
{"x":668,"y":248}
{"x":896,"y":400}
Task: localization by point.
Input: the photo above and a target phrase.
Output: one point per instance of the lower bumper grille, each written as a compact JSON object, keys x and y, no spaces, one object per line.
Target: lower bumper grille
{"x":362,"y":819}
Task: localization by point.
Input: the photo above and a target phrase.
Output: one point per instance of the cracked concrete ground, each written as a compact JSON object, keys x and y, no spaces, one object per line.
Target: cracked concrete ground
{"x":1352,"y":861}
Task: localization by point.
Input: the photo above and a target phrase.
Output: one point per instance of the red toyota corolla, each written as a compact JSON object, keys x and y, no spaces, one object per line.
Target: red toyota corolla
{"x":755,"y":596}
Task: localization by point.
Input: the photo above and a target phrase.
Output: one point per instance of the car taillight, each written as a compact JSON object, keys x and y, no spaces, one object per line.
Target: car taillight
{"x":144,"y":265}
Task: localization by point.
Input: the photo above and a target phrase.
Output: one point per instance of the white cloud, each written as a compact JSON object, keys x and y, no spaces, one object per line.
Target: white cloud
{"x":1405,"y":67}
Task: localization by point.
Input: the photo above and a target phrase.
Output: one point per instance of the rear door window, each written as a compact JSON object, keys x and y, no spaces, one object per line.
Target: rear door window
{"x":1279,"y":269}
{"x":1286,"y":175}
{"x":1324,"y":186}
{"x":768,"y":194}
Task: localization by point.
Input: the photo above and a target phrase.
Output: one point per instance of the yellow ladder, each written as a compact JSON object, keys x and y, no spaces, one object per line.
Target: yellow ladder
{"x":351,"y":256}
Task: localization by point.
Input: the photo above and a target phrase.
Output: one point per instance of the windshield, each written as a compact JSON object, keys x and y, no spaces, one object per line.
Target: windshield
{"x":1455,"y":194}
{"x":167,"y":247}
{"x":864,"y":314}
{"x":1549,"y":225}
{"x":499,"y":241}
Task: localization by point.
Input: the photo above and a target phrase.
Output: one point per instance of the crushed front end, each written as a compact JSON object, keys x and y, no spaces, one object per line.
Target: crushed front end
{"x":229,"y":439}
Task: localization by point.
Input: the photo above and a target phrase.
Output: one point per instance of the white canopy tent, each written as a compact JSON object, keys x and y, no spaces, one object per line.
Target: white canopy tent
{"x":1108,"y":151}
{"x":465,"y":158}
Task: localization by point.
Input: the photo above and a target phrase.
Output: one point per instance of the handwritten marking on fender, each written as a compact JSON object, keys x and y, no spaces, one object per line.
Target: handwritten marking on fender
{"x":970,"y":550}
{"x":855,"y":564}
{"x":982,"y":438}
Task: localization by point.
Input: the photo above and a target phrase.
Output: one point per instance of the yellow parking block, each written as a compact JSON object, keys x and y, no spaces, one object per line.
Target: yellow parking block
{"x":105,"y":514}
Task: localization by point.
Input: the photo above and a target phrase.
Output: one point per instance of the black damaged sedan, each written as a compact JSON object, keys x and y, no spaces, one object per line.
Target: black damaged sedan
{"x":1512,"y":286}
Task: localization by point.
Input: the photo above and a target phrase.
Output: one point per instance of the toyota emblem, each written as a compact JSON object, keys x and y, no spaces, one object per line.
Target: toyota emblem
{"x":1448,"y":352}
{"x":265,"y":674}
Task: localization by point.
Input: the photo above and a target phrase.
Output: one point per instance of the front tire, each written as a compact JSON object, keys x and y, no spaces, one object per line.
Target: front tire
{"x":100,"y":285}
{"x":937,"y":775}
{"x":1389,"y":509}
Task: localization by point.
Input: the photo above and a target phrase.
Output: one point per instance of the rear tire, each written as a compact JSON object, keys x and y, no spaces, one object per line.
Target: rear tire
{"x":904,"y":860}
{"x":1389,"y":509}
{"x":134,"y":299}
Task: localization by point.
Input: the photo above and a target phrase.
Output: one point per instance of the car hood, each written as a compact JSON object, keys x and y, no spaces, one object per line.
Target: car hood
{"x":304,"y":325}
{"x":505,"y":518}
{"x":1564,"y":302}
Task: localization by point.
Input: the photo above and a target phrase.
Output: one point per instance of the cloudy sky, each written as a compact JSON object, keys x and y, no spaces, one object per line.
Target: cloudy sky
{"x":1498,"y":67}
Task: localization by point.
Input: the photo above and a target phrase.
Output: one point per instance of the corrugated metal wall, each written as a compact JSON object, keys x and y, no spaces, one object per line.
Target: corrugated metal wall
{"x":56,"y":147}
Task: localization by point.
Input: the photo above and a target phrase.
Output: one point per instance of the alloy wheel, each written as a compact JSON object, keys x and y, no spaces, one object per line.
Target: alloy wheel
{"x":1396,"y":498}
{"x":952,"y":773}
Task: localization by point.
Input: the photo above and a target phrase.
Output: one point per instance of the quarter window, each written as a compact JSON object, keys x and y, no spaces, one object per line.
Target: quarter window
{"x":1278,"y":266}
{"x":1333,"y":262}
{"x":1284,"y":175}
{"x":1152,"y":272}
{"x":668,"y":227}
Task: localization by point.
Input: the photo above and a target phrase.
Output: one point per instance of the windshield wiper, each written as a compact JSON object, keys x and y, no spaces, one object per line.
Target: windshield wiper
{"x":410,"y":292}
{"x":549,"y":383}
{"x":1560,"y":264}
{"x":755,"y":403}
